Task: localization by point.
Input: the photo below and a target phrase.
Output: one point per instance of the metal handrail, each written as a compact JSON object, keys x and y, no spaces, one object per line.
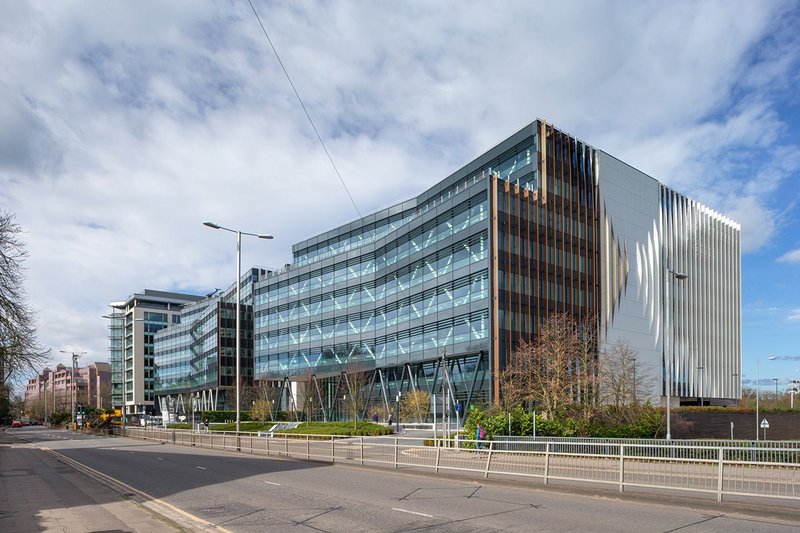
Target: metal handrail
{"x":718,"y":470}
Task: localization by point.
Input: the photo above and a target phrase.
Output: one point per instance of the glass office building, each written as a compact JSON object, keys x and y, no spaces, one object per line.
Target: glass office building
{"x":448,"y":282}
{"x":195,"y":364}
{"x":132,"y":328}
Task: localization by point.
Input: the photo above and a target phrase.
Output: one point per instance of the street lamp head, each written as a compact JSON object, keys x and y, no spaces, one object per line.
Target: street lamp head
{"x":264,"y":236}
{"x":772,"y":357}
{"x":680,"y":275}
{"x":212,"y":225}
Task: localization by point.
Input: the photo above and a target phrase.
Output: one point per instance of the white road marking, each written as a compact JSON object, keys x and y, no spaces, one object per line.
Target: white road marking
{"x":149,"y":501}
{"x":201,"y":467}
{"x":159,"y":458}
{"x":412,"y":512}
{"x":271,"y":483}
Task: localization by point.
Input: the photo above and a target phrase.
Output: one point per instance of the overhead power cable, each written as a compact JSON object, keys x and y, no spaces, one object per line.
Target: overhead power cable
{"x":313,"y":126}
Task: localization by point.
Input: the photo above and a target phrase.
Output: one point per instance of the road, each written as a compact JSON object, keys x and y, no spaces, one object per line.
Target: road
{"x":243,"y":493}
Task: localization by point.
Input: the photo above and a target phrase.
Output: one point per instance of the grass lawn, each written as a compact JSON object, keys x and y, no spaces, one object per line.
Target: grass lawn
{"x":249,"y":427}
{"x":305,"y":428}
{"x":340,"y":428}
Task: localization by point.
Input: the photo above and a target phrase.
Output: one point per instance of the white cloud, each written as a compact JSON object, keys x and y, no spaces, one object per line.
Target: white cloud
{"x":758,"y":222}
{"x":794,"y":315}
{"x":792,"y":256}
{"x":124,"y":127}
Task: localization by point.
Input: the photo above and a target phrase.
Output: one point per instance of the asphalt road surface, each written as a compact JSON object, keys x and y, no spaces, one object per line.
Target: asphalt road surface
{"x":244,"y":493}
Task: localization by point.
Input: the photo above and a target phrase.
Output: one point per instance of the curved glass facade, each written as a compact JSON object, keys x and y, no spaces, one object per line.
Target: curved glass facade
{"x":414,"y":294}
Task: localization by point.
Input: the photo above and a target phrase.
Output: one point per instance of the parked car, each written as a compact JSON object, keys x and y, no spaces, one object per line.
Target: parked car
{"x":16,"y":424}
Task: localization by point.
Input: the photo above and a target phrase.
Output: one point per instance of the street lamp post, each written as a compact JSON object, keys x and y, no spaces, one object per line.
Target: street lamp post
{"x":673,"y":276}
{"x":776,"y":391}
{"x":75,"y":356}
{"x":758,"y":378}
{"x":239,"y":234}
{"x":758,"y":391}
{"x":700,"y":368}
{"x":45,"y":395}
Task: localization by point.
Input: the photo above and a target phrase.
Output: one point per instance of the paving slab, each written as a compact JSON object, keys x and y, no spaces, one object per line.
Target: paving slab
{"x":38,"y":492}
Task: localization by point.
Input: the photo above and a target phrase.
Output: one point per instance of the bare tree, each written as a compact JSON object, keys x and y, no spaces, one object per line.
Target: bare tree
{"x":308,"y":396}
{"x":622,"y":380}
{"x":516,"y":379}
{"x":557,"y":369}
{"x":104,"y":395}
{"x":586,"y":393}
{"x":263,"y":396}
{"x":19,"y":350}
{"x":356,"y":384}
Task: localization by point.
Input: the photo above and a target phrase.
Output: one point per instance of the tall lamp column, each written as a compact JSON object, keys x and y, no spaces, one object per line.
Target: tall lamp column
{"x":239,"y":234}
{"x":75,"y":356}
{"x":673,"y":276}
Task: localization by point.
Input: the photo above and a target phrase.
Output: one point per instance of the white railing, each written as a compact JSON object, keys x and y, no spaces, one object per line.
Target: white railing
{"x":715,"y":470}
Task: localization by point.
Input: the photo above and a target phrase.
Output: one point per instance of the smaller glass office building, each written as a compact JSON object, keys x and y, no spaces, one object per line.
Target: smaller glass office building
{"x":195,"y":364}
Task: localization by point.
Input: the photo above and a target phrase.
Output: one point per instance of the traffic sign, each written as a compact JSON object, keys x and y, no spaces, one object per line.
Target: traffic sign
{"x":764,"y":424}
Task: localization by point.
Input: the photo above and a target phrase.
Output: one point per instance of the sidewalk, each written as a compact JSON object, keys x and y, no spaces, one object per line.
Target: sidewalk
{"x":40,"y":493}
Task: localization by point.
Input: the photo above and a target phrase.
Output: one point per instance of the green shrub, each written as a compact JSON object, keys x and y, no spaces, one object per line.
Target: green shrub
{"x":59,"y":417}
{"x":631,"y":422}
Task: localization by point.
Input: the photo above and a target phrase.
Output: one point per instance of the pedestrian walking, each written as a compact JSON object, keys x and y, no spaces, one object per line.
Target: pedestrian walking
{"x":205,"y":423}
{"x":480,"y":435}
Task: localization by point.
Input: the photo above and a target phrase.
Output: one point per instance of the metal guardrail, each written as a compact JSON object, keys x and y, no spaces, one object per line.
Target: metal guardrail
{"x":753,"y":451}
{"x":716,"y":470}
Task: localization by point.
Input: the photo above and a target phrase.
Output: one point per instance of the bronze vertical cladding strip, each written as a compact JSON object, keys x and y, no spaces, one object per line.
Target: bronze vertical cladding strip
{"x":536,"y":281}
{"x":528,"y":273}
{"x":585,"y":231}
{"x":519,"y":273}
{"x":596,"y":244}
{"x":507,"y":265}
{"x":559,"y":227}
{"x":557,"y":154}
{"x":547,"y":222}
{"x":495,"y":362}
{"x":543,"y":134}
{"x":541,"y":269}
{"x":573,"y":309}
{"x":565,"y":144}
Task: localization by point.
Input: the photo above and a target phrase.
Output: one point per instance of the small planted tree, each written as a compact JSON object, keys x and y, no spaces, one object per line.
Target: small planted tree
{"x":356,"y":384}
{"x":415,"y":405}
{"x":263,"y":396}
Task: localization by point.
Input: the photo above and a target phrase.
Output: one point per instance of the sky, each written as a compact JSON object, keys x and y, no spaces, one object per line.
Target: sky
{"x":125,"y":125}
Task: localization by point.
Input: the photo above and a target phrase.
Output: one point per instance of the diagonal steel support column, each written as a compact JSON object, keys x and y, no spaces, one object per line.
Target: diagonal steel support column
{"x":319,"y":398}
{"x":383,"y":391}
{"x":474,"y":380}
